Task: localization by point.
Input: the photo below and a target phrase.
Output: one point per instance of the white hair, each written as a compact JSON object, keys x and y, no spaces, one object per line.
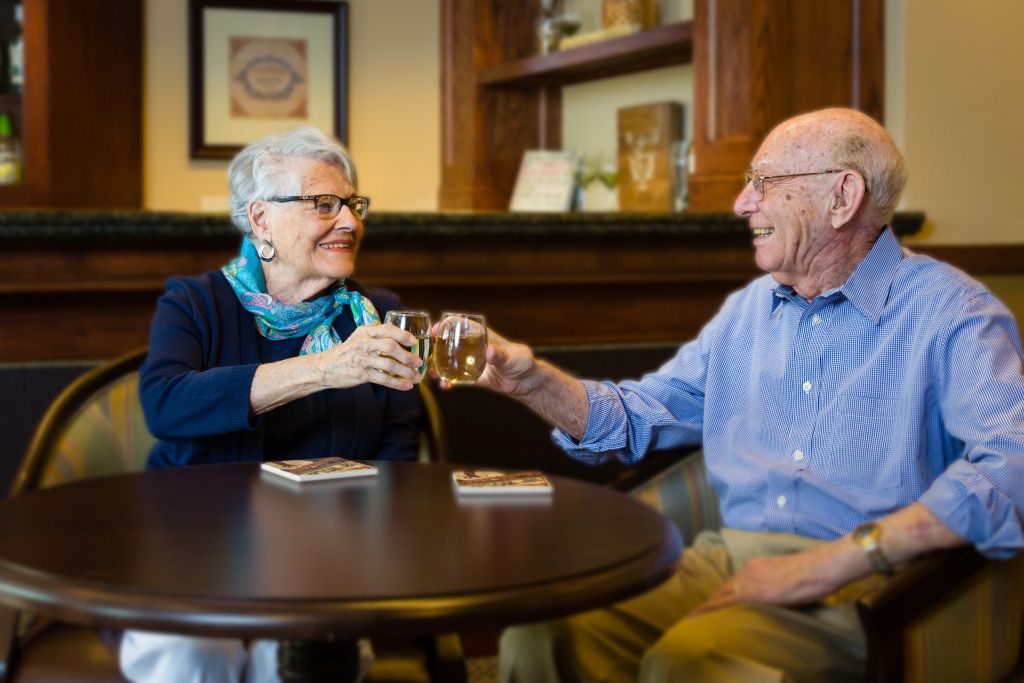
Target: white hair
{"x":880,"y":164}
{"x":260,"y":170}
{"x":850,"y":139}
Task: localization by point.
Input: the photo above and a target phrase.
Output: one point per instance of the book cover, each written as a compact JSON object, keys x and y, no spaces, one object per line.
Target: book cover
{"x":649,"y":136}
{"x":545,"y":183}
{"x":318,"y":469}
{"x":483,"y":482}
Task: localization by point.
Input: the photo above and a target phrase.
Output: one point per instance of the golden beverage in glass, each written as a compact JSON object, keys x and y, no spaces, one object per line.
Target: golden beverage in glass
{"x":460,"y":348}
{"x":417,"y":322}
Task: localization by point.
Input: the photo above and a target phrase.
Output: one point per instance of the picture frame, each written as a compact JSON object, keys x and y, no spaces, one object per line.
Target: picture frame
{"x":250,"y":66}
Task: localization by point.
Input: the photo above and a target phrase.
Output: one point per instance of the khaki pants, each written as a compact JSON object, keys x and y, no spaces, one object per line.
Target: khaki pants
{"x":649,"y":638}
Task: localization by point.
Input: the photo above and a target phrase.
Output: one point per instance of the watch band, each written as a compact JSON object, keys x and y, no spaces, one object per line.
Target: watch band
{"x":867,"y":536}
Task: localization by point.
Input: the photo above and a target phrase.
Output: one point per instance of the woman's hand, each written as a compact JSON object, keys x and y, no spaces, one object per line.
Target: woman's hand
{"x":373,"y":353}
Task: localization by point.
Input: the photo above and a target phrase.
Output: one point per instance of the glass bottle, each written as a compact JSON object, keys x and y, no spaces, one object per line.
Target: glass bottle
{"x":10,"y":153}
{"x":681,"y":167}
{"x":16,"y":54}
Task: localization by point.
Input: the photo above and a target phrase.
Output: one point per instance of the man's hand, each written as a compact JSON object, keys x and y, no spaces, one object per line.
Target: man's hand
{"x":796,"y":579}
{"x":809,"y":576}
{"x":553,"y":394}
{"x":509,"y":366}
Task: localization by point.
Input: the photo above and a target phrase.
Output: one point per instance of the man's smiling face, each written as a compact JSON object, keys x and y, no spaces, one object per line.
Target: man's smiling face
{"x":790,"y":223}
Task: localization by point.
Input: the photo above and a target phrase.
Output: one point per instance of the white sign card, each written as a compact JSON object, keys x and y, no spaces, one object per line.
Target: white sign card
{"x":545,"y":183}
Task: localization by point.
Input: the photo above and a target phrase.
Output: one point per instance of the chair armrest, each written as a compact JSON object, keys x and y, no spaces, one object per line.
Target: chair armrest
{"x":916,"y":587}
{"x":675,"y":483}
{"x":650,"y":467}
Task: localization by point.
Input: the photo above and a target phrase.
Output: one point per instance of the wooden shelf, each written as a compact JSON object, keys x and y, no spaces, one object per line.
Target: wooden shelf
{"x":751,"y":69}
{"x":650,"y":49}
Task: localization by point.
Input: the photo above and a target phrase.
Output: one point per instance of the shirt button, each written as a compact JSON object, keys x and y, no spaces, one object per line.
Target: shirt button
{"x":798,"y":455}
{"x":816,"y":319}
{"x":781,"y":500}
{"x":807,"y":387}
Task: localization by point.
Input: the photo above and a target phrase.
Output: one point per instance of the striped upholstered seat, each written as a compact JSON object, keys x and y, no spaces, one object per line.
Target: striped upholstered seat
{"x":96,"y":428}
{"x":682,"y":493}
{"x":951,"y":617}
{"x":972,"y":634}
{"x":107,"y":436}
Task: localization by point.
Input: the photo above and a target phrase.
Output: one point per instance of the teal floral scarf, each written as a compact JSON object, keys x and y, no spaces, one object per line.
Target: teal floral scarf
{"x":277,"y":320}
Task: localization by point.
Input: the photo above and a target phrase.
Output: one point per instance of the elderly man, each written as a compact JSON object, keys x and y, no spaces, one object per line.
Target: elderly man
{"x":859,"y":405}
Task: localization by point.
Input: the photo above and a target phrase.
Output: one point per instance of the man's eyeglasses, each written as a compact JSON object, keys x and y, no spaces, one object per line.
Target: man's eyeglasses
{"x":329,"y":205}
{"x":755,"y":178}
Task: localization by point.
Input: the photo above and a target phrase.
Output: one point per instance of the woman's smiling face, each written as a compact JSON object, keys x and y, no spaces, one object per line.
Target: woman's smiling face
{"x":311,"y":252}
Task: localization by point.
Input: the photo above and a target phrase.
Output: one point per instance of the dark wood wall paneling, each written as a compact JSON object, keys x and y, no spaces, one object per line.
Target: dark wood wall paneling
{"x":82,"y":106}
{"x":756,"y":62}
{"x":95,"y":299}
{"x":485,"y":130}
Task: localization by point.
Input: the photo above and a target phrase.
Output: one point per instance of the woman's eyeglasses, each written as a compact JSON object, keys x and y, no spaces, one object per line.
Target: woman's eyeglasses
{"x":329,"y":205}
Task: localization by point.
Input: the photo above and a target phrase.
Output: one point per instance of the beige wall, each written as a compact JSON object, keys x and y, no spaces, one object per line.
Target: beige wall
{"x":953,"y":99}
{"x":959,"y":115}
{"x":589,"y":110}
{"x":394,"y":108}
{"x":1010,"y":290}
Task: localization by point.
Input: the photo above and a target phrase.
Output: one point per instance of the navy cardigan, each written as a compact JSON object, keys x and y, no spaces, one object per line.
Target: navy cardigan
{"x":203,"y":352}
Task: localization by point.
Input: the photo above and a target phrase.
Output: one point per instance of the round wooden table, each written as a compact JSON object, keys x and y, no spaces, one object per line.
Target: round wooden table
{"x":228,"y":550}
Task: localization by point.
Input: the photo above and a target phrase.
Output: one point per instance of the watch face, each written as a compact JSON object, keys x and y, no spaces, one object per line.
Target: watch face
{"x":867,"y":530}
{"x":866,"y":536}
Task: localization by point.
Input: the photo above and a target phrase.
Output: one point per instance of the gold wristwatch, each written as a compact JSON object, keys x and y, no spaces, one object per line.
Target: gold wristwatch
{"x":867,"y":536}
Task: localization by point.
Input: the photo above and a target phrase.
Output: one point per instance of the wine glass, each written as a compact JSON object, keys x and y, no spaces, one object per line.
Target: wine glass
{"x":418,"y":323}
{"x":460,"y":348}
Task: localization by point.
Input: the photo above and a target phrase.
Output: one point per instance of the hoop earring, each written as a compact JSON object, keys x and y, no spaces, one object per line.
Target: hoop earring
{"x":266,"y":251}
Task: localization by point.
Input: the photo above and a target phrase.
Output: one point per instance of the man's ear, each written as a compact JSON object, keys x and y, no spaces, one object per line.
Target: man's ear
{"x":257,"y":211}
{"x":847,"y":198}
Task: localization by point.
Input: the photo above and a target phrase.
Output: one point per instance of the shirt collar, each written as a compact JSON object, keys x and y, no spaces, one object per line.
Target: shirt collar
{"x":868,"y":286}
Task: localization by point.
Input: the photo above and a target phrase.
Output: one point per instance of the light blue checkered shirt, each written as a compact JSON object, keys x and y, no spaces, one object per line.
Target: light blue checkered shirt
{"x":903,"y":384}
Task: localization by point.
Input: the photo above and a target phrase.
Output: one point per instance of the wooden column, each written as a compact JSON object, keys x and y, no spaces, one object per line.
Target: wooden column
{"x":486,"y":128}
{"x":82,"y":105}
{"x":757,"y":62}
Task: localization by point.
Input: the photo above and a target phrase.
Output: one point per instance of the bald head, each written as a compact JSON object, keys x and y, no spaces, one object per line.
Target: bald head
{"x":848,"y":139}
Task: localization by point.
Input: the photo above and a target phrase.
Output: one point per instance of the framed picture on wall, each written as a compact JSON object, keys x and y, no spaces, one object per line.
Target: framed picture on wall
{"x":260,"y":66}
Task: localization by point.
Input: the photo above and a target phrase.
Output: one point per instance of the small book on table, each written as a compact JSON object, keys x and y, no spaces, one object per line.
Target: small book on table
{"x":318,"y":469}
{"x":487,"y":483}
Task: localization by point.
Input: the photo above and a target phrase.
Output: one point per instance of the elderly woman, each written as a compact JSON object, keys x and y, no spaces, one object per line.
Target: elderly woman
{"x":277,"y":355}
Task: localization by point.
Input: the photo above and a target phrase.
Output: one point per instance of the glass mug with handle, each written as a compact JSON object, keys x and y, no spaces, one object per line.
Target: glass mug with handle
{"x":417,"y":323}
{"x":460,"y":348}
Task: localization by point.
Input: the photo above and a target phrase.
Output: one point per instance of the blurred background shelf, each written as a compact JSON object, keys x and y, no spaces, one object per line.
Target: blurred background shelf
{"x":753,"y":65}
{"x":657,"y":47}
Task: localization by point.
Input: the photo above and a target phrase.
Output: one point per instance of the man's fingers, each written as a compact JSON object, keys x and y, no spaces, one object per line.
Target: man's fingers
{"x":727,"y":594}
{"x":496,"y":355}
